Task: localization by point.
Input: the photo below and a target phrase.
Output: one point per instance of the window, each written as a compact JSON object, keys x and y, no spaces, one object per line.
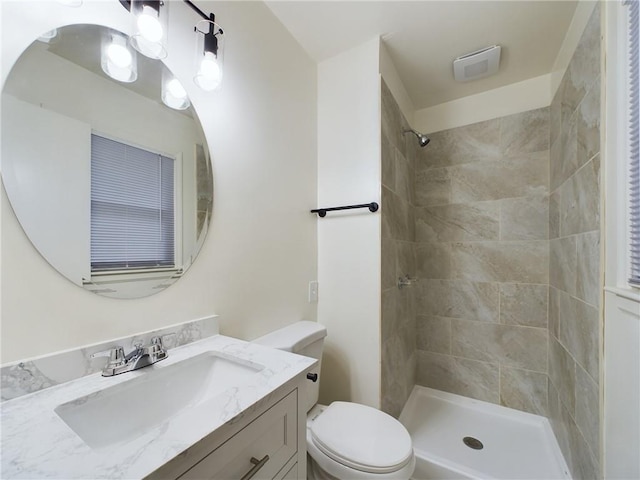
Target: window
{"x":633,"y":139}
{"x":132,"y":208}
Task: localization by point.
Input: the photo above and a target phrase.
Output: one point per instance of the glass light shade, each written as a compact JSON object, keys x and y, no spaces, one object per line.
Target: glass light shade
{"x":209,"y":69}
{"x":150,"y":28}
{"x":173,"y":93}
{"x":117,"y":59}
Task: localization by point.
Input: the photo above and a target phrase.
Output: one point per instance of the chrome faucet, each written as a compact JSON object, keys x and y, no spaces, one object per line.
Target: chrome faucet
{"x":141,"y":356}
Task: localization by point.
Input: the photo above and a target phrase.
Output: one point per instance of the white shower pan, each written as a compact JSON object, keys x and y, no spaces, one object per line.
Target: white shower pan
{"x":513,"y":444}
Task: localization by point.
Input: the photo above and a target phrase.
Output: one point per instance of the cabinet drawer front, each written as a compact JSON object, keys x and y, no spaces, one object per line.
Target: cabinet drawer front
{"x":274,"y":433}
{"x":292,"y":474}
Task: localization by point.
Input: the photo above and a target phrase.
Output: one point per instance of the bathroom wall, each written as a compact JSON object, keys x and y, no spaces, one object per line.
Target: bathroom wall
{"x":574,"y":276}
{"x":260,"y":252}
{"x":398,"y":157}
{"x":499,"y":102}
{"x":482,"y":255}
{"x":349,"y":241}
{"x":363,"y":157}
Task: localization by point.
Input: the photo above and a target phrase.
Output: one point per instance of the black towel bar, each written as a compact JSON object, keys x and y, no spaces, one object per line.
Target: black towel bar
{"x":373,"y":207}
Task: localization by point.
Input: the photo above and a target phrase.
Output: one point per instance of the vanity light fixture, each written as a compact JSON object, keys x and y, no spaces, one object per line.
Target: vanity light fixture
{"x":149,"y":27}
{"x":173,"y":93}
{"x":208,"y":55}
{"x":150,"y":38}
{"x":117,"y":59}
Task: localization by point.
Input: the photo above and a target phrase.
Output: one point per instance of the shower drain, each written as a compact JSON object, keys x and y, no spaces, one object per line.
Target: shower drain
{"x":473,"y":443}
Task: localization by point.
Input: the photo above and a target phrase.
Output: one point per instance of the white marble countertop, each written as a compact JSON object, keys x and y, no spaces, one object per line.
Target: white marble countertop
{"x":36,"y":443}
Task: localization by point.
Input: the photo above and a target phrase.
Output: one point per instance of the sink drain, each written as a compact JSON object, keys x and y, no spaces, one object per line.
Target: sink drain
{"x":473,"y":443}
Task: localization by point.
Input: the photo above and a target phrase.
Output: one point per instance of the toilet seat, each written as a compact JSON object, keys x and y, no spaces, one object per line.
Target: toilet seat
{"x":362,"y":438}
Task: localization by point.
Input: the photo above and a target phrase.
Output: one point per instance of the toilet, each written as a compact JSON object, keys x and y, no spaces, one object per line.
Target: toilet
{"x":345,"y":440}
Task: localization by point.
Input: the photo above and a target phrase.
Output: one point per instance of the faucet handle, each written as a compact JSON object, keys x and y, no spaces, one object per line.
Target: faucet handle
{"x":115,"y":354}
{"x":159,"y":340}
{"x":157,"y":348}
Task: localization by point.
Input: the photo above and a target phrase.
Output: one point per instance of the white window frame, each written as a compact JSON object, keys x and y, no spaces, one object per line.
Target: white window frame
{"x":616,"y":165}
{"x":633,"y":273}
{"x":146,"y":273}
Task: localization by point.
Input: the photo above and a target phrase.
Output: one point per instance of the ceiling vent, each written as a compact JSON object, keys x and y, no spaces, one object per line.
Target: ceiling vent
{"x":478,"y":64}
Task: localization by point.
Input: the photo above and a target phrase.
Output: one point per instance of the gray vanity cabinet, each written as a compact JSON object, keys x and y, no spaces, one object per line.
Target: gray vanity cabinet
{"x":269,"y":444}
{"x":260,"y":450}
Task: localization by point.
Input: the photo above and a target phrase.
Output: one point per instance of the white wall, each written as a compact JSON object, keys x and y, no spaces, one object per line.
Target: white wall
{"x":621,"y":387}
{"x":395,"y":84}
{"x":621,"y":357}
{"x":349,"y":243}
{"x":499,"y":102}
{"x":260,"y":253}
{"x":118,"y":112}
{"x":50,"y":188}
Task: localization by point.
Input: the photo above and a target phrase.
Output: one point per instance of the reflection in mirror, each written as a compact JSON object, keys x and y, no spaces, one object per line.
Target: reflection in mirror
{"x":112,"y":186}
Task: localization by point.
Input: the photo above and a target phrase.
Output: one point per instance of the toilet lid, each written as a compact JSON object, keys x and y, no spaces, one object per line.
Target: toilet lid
{"x":362,"y":438}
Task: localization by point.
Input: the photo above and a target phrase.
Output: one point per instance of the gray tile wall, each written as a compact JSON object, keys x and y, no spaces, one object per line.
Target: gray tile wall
{"x":574,"y":275}
{"x":482,"y":250}
{"x":398,"y":326}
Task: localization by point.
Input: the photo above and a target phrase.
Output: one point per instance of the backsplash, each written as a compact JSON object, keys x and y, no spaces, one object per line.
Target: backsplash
{"x":28,"y":376}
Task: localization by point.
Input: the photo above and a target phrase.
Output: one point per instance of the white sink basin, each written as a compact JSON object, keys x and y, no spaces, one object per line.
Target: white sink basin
{"x":120,"y":413}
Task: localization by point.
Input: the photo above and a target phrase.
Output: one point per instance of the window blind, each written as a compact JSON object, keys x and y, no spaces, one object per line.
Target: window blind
{"x":132,"y":207}
{"x":634,"y":139}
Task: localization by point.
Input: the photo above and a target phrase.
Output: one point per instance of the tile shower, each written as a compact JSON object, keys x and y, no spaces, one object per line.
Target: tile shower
{"x":574,"y":277}
{"x":400,"y":154}
{"x":501,"y":228}
{"x":483,"y":261}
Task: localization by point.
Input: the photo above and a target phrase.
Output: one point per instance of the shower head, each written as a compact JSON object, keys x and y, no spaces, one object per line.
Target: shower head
{"x":423,"y":139}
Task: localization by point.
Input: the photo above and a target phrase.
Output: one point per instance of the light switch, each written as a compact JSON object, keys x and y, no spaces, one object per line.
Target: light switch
{"x":313,"y":292}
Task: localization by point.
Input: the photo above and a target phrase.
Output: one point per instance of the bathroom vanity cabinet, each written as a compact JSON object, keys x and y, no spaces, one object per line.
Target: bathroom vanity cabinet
{"x":269,"y":444}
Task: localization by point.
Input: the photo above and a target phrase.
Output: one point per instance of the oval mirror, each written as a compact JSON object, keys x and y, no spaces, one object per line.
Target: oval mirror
{"x":111,"y":185}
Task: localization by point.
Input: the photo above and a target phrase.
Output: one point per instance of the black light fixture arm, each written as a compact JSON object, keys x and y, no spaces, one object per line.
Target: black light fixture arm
{"x":127,"y":4}
{"x":211,"y":16}
{"x":211,"y":41}
{"x":210,"y":38}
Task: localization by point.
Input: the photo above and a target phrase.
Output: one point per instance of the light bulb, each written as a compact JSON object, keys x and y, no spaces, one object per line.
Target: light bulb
{"x":148,"y":24}
{"x":174,"y":95}
{"x":209,"y":75}
{"x":150,"y":29}
{"x":209,"y":66}
{"x":119,"y":55}
{"x":176,"y":89}
{"x":118,"y":61}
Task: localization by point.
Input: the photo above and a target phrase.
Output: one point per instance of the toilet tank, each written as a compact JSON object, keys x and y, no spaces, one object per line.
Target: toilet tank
{"x":304,"y":338}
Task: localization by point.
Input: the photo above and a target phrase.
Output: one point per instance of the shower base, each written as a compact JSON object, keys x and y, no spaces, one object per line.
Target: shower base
{"x":456,"y":437}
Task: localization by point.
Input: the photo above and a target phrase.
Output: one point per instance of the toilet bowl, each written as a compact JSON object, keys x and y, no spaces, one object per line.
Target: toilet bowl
{"x":352,"y":441}
{"x":345,"y":440}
